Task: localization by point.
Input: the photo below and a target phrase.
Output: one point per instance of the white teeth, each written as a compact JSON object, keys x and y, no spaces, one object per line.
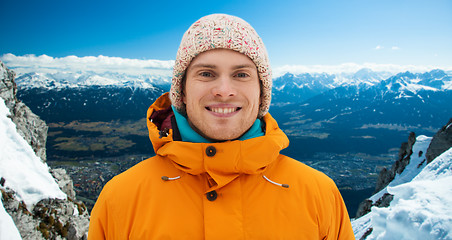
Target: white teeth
{"x":223,"y":110}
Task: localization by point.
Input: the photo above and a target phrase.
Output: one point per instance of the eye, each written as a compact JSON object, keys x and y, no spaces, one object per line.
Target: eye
{"x":242,"y":75}
{"x":205,"y":74}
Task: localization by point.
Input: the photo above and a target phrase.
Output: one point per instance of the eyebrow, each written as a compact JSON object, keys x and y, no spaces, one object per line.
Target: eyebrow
{"x":202,"y":65}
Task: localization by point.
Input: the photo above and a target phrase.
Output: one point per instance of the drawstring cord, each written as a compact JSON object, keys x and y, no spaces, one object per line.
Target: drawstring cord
{"x":277,"y":184}
{"x":165,"y":178}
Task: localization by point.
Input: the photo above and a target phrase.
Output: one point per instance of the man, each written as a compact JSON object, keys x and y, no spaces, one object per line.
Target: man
{"x":217,"y":173}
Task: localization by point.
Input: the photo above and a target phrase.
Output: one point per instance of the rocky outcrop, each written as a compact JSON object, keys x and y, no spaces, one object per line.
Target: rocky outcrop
{"x":49,"y":218}
{"x":366,"y":205}
{"x":29,"y":125}
{"x":386,"y":176}
{"x":440,"y":143}
{"x":64,"y":181}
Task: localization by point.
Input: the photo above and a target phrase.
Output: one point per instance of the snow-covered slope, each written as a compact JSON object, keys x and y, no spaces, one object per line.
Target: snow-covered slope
{"x":420,"y":208}
{"x":22,"y":171}
{"x":8,"y":229}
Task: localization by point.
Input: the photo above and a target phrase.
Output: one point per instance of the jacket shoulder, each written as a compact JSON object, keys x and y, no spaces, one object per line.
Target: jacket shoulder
{"x":125,"y":196}
{"x":318,"y":191}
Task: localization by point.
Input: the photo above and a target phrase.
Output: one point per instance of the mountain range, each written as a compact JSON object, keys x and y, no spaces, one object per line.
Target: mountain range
{"x":371,"y":109}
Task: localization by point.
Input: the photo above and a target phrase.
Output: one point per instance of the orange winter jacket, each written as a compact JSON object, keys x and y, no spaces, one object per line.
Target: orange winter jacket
{"x":229,"y":190}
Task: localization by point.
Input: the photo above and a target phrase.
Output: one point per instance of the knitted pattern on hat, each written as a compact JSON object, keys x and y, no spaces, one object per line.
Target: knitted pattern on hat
{"x":221,"y":31}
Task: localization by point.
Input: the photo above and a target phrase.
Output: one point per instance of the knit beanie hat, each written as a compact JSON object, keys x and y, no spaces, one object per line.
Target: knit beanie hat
{"x":221,"y":31}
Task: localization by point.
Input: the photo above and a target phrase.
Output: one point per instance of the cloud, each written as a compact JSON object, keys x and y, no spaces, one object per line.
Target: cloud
{"x":98,"y":64}
{"x":379,"y":47}
{"x":395,"y":48}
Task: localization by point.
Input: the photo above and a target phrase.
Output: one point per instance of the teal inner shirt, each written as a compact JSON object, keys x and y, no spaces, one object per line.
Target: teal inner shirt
{"x":190,"y":135}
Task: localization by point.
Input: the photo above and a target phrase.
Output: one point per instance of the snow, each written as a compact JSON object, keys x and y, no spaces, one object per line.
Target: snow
{"x":21,"y":168}
{"x":361,"y":225}
{"x":63,"y":79}
{"x":280,"y":88}
{"x":408,"y":86}
{"x":447,"y":86}
{"x":8,"y":229}
{"x":23,"y":172}
{"x":412,"y":169}
{"x":2,"y":71}
{"x":439,"y":168}
{"x":421,"y":205}
{"x":416,"y":88}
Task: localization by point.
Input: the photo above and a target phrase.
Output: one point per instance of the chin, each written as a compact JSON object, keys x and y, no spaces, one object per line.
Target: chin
{"x":223,"y":137}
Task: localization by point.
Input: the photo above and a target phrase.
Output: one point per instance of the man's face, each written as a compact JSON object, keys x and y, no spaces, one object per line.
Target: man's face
{"x":222,"y":94}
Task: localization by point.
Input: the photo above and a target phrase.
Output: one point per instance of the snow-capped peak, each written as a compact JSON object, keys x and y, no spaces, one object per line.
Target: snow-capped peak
{"x":86,"y":79}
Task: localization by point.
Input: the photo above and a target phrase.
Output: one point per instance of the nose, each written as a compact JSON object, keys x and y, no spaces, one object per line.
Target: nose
{"x":224,"y":87}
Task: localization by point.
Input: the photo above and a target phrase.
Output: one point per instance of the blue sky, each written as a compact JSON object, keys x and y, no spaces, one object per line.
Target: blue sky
{"x":296,"y":32}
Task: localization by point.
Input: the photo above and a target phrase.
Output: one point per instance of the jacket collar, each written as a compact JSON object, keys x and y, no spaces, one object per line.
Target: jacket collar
{"x":231,"y":159}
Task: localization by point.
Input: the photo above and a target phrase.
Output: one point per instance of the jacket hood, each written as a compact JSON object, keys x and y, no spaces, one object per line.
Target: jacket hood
{"x":231,"y":158}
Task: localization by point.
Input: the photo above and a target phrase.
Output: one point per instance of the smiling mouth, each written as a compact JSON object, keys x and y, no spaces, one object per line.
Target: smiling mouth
{"x":223,"y":110}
